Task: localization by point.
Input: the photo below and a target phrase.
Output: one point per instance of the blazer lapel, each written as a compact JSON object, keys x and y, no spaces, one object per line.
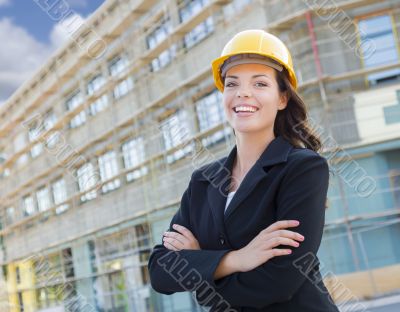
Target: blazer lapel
{"x":276,"y":152}
{"x":217,"y":190}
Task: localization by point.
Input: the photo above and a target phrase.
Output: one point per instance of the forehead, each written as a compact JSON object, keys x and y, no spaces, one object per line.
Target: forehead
{"x":251,"y":69}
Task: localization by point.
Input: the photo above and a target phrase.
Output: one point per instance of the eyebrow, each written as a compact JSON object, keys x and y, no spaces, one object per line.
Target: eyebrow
{"x":255,"y":76}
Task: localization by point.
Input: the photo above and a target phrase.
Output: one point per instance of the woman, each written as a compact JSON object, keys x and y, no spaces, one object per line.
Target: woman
{"x":232,"y":241}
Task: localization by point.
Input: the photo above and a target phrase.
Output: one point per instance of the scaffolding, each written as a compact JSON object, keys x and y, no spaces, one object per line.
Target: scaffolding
{"x":157,"y":93}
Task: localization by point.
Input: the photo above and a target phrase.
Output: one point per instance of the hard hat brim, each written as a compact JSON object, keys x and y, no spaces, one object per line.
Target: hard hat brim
{"x":217,"y":63}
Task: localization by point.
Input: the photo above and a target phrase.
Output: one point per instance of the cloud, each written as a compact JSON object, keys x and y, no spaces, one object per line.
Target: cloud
{"x":4,"y":2}
{"x":21,"y":54}
{"x":64,"y":30}
{"x":77,"y":3}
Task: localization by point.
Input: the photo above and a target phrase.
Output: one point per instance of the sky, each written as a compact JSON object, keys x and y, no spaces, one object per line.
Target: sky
{"x":30,"y":33}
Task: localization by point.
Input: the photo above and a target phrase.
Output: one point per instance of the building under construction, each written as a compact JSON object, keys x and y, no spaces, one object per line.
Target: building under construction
{"x":98,"y":146}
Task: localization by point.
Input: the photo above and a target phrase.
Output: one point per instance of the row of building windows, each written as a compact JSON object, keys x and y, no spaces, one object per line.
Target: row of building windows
{"x":115,"y":67}
{"x":111,"y":261}
{"x":175,"y":129}
{"x":380,"y":29}
{"x":187,"y":9}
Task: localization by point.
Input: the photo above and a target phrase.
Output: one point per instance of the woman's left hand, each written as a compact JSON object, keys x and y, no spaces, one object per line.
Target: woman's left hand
{"x":184,"y":239}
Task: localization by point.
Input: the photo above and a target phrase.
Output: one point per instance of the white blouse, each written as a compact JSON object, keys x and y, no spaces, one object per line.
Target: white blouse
{"x":229,"y":198}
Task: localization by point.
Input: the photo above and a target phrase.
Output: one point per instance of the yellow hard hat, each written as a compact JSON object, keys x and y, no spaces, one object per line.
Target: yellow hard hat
{"x":250,"y":42}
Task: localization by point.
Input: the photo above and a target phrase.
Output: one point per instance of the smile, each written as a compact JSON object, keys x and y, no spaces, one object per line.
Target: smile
{"x":245,"y":109}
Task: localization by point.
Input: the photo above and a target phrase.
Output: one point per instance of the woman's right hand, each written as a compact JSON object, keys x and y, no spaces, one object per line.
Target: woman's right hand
{"x":262,"y":247}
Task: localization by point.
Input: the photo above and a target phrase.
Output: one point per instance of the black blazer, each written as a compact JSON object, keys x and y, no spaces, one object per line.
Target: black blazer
{"x":286,"y":183}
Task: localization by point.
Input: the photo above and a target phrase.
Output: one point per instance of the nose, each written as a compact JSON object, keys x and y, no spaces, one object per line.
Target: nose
{"x":243,"y":92}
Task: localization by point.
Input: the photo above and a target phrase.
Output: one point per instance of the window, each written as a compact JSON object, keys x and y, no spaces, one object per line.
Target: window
{"x":87,"y":178}
{"x":34,"y":133}
{"x":45,"y":263}
{"x":68,"y":263}
{"x":176,"y":130}
{"x":395,"y":186}
{"x":10,"y":215}
{"x":117,"y":65}
{"x":108,"y":166}
{"x":163,"y":59}
{"x":134,"y":154}
{"x":92,"y":256}
{"x":198,"y":33}
{"x":59,"y":190}
{"x":73,"y":102}
{"x":28,"y":207}
{"x":49,"y":121}
{"x":123,"y":88}
{"x":161,"y":32}
{"x":95,"y":84}
{"x":189,"y":8}
{"x":100,"y":104}
{"x":50,"y":296}
{"x":143,"y":242}
{"x":210,"y":113}
{"x":17,"y":274}
{"x":156,"y":36}
{"x":20,"y":302}
{"x":43,"y":199}
{"x":20,"y":143}
{"x":6,"y":173}
{"x":378,"y":45}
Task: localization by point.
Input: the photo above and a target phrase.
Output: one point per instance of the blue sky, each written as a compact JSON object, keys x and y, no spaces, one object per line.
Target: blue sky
{"x":29,"y":36}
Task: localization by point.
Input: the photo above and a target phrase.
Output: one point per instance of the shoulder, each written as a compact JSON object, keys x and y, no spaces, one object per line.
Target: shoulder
{"x":209,"y":170}
{"x":304,"y":154}
{"x":304,"y":157}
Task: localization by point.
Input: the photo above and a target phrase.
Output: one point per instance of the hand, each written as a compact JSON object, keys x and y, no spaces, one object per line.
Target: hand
{"x":182,"y":240}
{"x":262,"y":247}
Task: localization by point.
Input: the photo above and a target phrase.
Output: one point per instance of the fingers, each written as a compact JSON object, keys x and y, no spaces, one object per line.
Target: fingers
{"x":287,"y":234}
{"x":281,"y":225}
{"x":170,"y":246}
{"x":176,"y":236}
{"x":278,"y":252}
{"x":277,"y":241}
{"x":184,"y":231}
{"x":173,"y":239}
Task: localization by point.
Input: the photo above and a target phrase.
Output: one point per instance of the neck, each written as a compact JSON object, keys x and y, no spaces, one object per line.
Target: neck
{"x":250,"y":146}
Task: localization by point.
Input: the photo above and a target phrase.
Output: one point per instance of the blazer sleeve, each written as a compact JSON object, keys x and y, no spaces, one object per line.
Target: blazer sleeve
{"x":184,"y":270}
{"x":302,"y":197}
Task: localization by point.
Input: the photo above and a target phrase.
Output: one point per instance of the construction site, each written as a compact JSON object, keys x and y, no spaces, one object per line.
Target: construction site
{"x":99,"y":145}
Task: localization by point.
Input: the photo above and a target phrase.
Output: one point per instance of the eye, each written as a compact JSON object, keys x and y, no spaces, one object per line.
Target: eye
{"x":230,"y":84}
{"x":261,"y":84}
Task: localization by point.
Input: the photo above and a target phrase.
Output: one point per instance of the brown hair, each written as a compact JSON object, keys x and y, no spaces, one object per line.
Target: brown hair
{"x":292,"y":122}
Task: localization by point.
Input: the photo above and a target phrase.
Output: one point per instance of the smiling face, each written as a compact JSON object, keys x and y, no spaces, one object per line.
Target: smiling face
{"x":251,"y":98}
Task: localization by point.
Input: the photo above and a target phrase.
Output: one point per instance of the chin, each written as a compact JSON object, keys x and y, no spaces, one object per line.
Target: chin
{"x":246,"y":130}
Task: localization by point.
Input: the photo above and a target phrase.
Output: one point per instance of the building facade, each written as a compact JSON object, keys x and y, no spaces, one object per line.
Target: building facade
{"x":99,"y":145}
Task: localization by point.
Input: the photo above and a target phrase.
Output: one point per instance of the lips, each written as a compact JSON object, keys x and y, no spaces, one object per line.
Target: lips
{"x":245,"y":108}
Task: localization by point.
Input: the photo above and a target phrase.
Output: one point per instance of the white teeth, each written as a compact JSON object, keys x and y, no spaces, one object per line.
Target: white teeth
{"x":245,"y":109}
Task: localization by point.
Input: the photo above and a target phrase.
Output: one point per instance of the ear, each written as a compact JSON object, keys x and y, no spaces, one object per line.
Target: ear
{"x":283,"y":100}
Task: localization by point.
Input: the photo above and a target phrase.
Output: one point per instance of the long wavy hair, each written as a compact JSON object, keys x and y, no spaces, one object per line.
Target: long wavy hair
{"x":292,"y":123}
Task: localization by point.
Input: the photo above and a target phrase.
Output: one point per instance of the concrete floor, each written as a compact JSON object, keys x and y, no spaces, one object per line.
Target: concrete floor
{"x":388,"y":308}
{"x":385,"y":304}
